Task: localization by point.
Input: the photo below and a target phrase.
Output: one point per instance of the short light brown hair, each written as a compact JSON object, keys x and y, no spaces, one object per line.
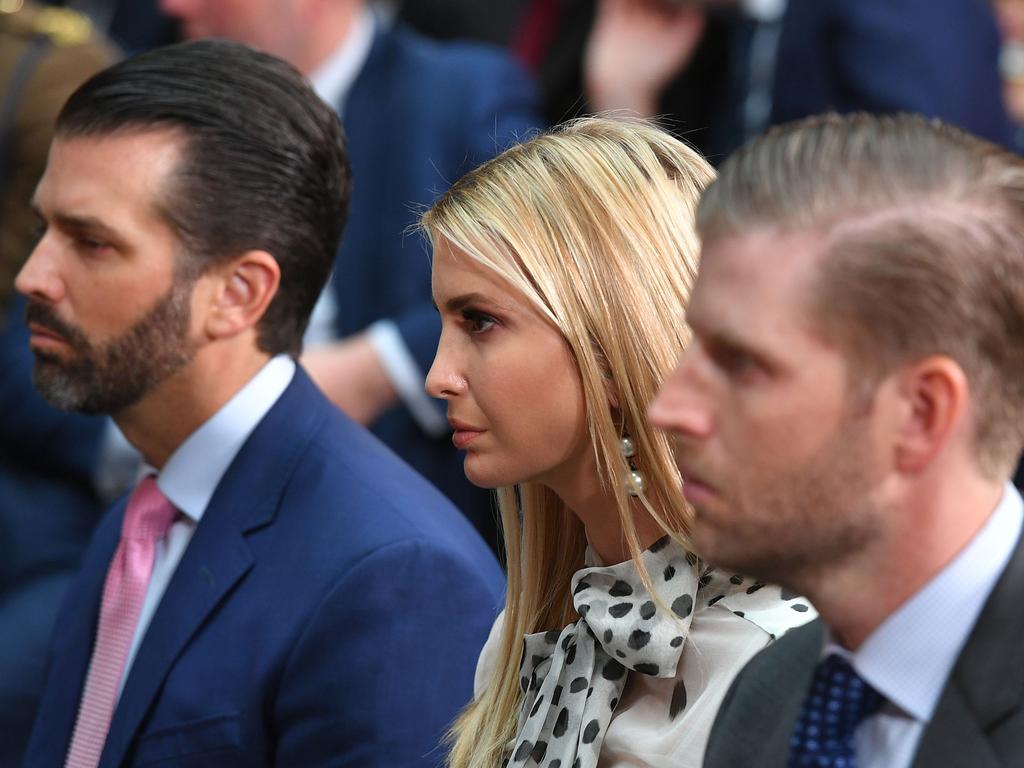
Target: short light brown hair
{"x":923,"y":226}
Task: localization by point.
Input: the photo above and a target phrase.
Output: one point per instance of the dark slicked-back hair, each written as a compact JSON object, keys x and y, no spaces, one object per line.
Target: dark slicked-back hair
{"x":923,"y":249}
{"x":264,"y":164}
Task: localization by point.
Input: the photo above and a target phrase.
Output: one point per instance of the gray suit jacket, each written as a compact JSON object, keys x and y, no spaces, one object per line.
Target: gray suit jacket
{"x":978,"y":722}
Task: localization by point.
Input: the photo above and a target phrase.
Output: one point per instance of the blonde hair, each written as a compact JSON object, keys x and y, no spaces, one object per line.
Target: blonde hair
{"x":923,"y":229}
{"x":594,"y":224}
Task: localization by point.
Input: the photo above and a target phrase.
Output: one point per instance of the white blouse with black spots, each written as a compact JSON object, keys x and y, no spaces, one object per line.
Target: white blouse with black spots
{"x":647,"y":716}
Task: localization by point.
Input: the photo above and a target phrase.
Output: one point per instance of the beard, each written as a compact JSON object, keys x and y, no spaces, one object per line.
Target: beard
{"x":114,"y":375}
{"x":792,"y":526}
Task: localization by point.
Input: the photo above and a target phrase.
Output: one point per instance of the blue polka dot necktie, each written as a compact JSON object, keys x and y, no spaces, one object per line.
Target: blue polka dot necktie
{"x":837,"y":702}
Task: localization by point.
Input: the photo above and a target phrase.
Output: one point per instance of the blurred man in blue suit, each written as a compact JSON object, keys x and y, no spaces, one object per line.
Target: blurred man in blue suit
{"x":418,"y":114}
{"x":936,"y":57}
{"x":279,"y":589}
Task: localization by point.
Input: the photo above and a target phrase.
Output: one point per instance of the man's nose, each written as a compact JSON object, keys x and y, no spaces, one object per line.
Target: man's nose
{"x":681,"y":406}
{"x":39,"y":277}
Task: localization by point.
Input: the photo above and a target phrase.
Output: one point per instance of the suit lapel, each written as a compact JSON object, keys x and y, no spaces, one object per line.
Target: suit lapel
{"x":216,"y":559}
{"x":786,"y":688}
{"x":218,"y":556}
{"x":955,"y":738}
{"x":987,"y":682}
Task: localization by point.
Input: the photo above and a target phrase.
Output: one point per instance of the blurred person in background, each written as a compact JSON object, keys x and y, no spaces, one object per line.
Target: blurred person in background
{"x":418,"y":114}
{"x":134,"y":25}
{"x":493,"y":22}
{"x":939,"y":58}
{"x":652,"y":58}
{"x":1010,"y":15}
{"x":46,"y":54}
{"x":718,"y":72}
{"x":50,"y":498}
{"x":561,"y":272}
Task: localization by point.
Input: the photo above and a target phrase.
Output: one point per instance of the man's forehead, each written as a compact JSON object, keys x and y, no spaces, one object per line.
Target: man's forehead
{"x":142,"y":158}
{"x":755,"y":276}
{"x":118,"y":180}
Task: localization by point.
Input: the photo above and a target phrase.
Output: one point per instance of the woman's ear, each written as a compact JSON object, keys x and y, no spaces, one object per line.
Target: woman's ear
{"x":244,"y":288}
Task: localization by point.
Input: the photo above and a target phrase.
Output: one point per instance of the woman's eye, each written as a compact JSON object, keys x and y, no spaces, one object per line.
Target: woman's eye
{"x":478,"y":322}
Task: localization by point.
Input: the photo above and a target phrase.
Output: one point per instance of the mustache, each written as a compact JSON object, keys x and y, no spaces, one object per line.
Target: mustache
{"x":42,"y":315}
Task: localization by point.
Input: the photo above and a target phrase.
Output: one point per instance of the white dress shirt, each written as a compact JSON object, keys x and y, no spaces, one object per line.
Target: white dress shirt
{"x":909,"y":657}
{"x":332,"y":81}
{"x":194,"y":471}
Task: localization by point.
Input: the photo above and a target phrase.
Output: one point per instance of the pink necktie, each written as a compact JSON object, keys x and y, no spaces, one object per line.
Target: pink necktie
{"x":147,"y":518}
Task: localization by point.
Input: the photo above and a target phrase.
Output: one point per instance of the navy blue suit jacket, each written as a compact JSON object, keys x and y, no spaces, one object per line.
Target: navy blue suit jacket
{"x":48,"y":511}
{"x":936,"y":57}
{"x":328,"y":611}
{"x":419,"y":116}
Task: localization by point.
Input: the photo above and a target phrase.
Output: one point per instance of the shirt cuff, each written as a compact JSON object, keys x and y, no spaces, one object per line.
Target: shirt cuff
{"x":406,"y":377}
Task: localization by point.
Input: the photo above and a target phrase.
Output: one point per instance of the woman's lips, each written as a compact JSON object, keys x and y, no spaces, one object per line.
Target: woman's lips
{"x":463,"y":437}
{"x":464,"y":433}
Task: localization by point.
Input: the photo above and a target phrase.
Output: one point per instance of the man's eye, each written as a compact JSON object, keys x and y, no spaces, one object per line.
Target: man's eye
{"x":478,"y":322}
{"x":734,"y":361}
{"x":90,"y":243}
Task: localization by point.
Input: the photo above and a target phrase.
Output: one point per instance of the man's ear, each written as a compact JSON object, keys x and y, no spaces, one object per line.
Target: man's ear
{"x":935,"y":397}
{"x":241,"y":292}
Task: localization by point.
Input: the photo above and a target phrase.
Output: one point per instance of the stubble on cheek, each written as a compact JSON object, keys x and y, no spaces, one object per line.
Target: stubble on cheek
{"x":791,"y":527}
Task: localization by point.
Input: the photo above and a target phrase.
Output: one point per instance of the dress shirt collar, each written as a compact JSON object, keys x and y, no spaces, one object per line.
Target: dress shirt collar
{"x":909,"y":657}
{"x":333,"y":79}
{"x":195,"y":469}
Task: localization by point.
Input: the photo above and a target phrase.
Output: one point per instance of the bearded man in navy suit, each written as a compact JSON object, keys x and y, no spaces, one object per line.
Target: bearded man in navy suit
{"x":301,"y":597}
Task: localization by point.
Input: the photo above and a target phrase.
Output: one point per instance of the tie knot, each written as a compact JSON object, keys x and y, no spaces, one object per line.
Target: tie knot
{"x":838,"y":700}
{"x":149,"y":513}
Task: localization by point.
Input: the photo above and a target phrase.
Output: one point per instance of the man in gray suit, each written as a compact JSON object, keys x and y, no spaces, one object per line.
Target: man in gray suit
{"x":847,"y":418}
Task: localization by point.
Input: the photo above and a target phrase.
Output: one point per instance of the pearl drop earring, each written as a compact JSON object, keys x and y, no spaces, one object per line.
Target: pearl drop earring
{"x":635,"y":483}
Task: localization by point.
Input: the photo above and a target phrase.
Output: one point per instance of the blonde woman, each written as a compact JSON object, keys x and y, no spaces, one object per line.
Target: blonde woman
{"x":561,"y":270}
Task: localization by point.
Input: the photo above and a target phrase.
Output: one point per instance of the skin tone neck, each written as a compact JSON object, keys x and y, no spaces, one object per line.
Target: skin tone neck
{"x":327,"y":25}
{"x":159,"y":423}
{"x":581,"y":491}
{"x":938,"y":515}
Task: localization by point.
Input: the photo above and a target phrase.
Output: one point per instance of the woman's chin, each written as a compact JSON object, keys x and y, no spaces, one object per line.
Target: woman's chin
{"x":482,"y":476}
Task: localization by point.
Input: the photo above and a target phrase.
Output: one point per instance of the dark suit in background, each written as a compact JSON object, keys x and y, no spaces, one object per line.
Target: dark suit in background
{"x":978,"y":721}
{"x":936,"y":57}
{"x":419,"y":115}
{"x":296,"y":630}
{"x":48,"y":510}
{"x":48,"y":501}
